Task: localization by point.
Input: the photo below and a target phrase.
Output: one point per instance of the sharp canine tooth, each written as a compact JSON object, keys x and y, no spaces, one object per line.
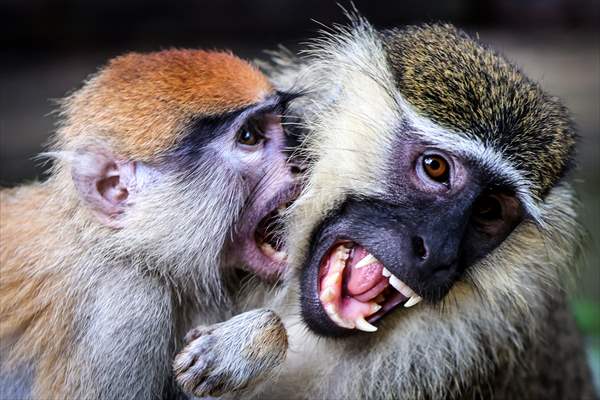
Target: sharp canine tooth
{"x":363,"y":325}
{"x":401,"y":287}
{"x":412,"y":301}
{"x":335,"y":317}
{"x":374,"y":308}
{"x":386,"y":273}
{"x":396,"y":283}
{"x":368,"y":260}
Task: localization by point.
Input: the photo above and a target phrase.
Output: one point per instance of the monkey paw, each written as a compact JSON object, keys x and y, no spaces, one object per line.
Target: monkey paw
{"x":232,"y":355}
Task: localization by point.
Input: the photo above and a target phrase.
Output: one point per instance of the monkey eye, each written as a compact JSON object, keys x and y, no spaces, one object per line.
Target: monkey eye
{"x":487,"y":209}
{"x":437,"y":168}
{"x":250,"y":134}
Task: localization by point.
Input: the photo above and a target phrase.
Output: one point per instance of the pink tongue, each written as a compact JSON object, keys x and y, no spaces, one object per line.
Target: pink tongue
{"x":351,"y":309}
{"x":363,"y":280}
{"x":374,"y":291}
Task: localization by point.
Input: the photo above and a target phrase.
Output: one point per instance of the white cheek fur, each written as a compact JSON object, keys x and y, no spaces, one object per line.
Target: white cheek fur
{"x":146,"y":175}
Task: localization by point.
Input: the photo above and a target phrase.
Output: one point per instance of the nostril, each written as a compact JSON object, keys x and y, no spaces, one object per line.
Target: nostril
{"x":419,"y":247}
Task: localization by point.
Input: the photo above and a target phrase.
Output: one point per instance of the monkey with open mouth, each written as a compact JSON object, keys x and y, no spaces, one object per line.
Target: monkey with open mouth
{"x":170,"y":171}
{"x":430,"y":246}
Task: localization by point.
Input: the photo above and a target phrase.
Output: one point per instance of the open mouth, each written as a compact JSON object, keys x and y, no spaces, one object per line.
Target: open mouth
{"x":269,"y":234}
{"x":259,"y":246}
{"x":355,"y":289}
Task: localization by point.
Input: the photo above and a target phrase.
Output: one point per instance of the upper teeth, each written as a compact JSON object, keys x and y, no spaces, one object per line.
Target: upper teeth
{"x":396,"y":283}
{"x":368,"y":260}
{"x":403,"y":288}
{"x":412,"y":301}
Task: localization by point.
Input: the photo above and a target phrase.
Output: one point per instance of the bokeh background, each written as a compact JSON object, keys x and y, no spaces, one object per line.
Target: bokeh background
{"x":50,"y":46}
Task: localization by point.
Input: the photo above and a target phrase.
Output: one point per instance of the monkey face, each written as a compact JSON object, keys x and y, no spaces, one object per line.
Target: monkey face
{"x":269,"y":181}
{"x":439,"y":214}
{"x":243,"y":155}
{"x":183,"y":154}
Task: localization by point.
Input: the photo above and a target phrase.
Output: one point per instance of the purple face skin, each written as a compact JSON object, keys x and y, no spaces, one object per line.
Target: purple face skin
{"x":248,"y":155}
{"x":255,"y":246}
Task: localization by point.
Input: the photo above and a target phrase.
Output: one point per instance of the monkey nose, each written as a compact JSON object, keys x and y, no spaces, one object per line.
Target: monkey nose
{"x":434,"y":260}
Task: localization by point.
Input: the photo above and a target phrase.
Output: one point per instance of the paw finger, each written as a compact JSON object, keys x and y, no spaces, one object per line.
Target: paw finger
{"x":198,"y":348}
{"x":195,"y":333}
{"x":183,"y":361}
{"x":193,"y":376}
{"x":213,"y":385}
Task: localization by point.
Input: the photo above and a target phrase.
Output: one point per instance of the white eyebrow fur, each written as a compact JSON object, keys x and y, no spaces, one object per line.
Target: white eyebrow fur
{"x":472,"y":147}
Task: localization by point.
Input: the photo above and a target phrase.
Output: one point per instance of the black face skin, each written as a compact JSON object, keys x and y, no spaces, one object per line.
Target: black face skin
{"x":427,"y":230}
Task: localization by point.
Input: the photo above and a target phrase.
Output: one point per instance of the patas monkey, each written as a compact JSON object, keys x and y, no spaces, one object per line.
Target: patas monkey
{"x":170,"y":168}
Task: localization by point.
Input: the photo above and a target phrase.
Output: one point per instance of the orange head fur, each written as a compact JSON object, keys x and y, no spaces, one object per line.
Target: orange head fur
{"x":141,"y":103}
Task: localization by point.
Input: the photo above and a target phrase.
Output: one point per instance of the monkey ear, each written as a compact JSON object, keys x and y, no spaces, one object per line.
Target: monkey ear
{"x":105,"y":184}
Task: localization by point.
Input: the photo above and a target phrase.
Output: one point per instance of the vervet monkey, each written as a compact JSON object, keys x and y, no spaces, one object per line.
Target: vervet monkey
{"x":433,"y":241}
{"x":169,"y":171}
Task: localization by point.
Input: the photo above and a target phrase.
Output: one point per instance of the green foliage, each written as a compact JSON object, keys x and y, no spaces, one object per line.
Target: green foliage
{"x":587,"y":314}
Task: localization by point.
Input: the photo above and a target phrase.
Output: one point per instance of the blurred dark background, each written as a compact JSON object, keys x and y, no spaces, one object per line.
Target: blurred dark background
{"x":50,"y":46}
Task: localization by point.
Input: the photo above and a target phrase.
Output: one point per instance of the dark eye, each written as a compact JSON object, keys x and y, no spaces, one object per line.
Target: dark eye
{"x":437,"y":168}
{"x":488,"y":208}
{"x":248,"y":138}
{"x":250,"y":134}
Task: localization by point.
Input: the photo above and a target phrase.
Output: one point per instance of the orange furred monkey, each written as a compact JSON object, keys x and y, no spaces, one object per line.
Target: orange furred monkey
{"x":169,"y":171}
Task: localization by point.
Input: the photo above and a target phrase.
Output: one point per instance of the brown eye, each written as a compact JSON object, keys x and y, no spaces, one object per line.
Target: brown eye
{"x":487,"y":208}
{"x":250,"y":134}
{"x":248,"y":138}
{"x":437,"y":168}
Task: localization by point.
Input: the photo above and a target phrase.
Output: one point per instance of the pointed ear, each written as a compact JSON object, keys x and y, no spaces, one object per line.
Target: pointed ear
{"x":105,"y":184}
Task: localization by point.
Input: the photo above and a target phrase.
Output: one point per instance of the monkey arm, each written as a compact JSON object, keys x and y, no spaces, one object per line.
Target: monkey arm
{"x":232,"y":355}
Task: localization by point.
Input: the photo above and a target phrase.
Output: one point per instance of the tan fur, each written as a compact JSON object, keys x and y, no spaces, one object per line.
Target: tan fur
{"x":266,"y":342}
{"x":32,"y":300}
